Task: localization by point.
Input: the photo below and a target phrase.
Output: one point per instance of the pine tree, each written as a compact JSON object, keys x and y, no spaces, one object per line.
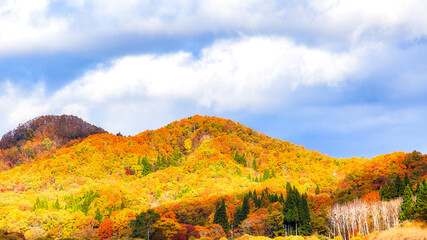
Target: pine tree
{"x":407,"y":181}
{"x":290,"y":211}
{"x":37,"y":204}
{"x":242,"y":211}
{"x":273,"y":173}
{"x":146,"y":166}
{"x":288,"y":187}
{"x":306,"y":226}
{"x":220,"y":216}
{"x":421,"y":203}
{"x":56,"y":204}
{"x":257,"y":202}
{"x":317,"y":192}
{"x":254,"y":165}
{"x":266,"y":175}
{"x":238,"y":216}
{"x":98,"y":215}
{"x":281,"y":198}
{"x":295,"y":218}
{"x":407,"y":205}
{"x":241,"y":159}
{"x":399,"y":187}
{"x":264,"y":201}
{"x":142,"y":225}
{"x":387,"y":192}
{"x":245,"y":208}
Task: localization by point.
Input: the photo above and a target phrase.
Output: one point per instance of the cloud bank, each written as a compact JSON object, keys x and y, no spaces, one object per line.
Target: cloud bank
{"x":43,"y":25}
{"x":250,"y":74}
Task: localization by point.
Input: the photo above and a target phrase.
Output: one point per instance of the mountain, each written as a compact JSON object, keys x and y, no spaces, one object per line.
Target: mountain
{"x":184,"y":171}
{"x":38,"y":136}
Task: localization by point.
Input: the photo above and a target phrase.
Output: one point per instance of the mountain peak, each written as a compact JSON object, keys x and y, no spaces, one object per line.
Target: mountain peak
{"x":39,"y":135}
{"x":63,"y":127}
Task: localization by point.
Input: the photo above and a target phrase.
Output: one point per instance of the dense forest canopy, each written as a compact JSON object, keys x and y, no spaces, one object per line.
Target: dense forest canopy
{"x":40,"y":135}
{"x":200,"y":177}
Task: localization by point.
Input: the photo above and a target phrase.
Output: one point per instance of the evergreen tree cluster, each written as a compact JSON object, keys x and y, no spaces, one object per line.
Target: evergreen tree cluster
{"x":142,"y":225}
{"x":115,"y":208}
{"x":242,"y":211}
{"x":81,"y":203}
{"x":260,"y":201}
{"x":98,"y":215}
{"x":265,"y":197}
{"x":221,"y":217}
{"x":254,"y":165}
{"x":146,"y":167}
{"x":163,"y":162}
{"x":414,"y":209}
{"x":420,"y":206}
{"x":267,"y":175}
{"x":297,"y":213}
{"x":395,"y":189}
{"x":407,"y":205}
{"x":240,"y":159}
{"x":40,"y":204}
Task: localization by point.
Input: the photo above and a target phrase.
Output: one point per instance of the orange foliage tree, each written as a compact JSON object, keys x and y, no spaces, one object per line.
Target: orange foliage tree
{"x":105,"y":230}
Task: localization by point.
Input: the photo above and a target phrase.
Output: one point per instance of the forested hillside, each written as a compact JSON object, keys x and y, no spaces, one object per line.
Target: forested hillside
{"x":200,"y":177}
{"x":41,"y":135}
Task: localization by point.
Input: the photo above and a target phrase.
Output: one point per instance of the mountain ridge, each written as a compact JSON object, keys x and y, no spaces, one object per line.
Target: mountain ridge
{"x":185,"y":167}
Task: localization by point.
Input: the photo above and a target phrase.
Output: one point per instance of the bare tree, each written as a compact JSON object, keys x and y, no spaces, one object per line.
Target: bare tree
{"x":364,"y":217}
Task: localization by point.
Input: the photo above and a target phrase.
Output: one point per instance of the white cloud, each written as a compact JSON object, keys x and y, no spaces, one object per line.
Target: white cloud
{"x":51,"y":25}
{"x":377,"y":19}
{"x":24,"y":27}
{"x":228,"y":75}
{"x":249,"y":74}
{"x":18,"y":105}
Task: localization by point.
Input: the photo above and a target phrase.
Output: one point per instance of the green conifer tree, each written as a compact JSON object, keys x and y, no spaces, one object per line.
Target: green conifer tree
{"x":317,"y":192}
{"x":264,"y":201}
{"x":266,"y":175}
{"x":290,"y":210}
{"x":407,"y":205}
{"x":238,"y":216}
{"x":98,"y":215}
{"x":254,"y":165}
{"x":306,"y":226}
{"x":220,"y":216}
{"x":281,"y":198}
{"x":407,"y":181}
{"x":245,"y":208}
{"x":421,"y":203}
{"x":146,"y":166}
{"x":399,"y":187}
{"x":56,"y":204}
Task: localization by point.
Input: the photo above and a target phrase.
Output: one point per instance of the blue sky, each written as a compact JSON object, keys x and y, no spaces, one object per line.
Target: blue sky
{"x":346,"y":78}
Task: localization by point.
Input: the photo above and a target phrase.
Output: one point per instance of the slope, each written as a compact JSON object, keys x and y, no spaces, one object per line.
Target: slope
{"x":184,"y":167}
{"x":41,"y":135}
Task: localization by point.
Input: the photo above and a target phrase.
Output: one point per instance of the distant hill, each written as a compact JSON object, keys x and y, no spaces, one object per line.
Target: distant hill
{"x":39,"y":135}
{"x":182,"y":170}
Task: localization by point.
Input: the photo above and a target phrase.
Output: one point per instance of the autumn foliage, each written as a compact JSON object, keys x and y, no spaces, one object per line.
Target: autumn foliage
{"x":66,"y":178}
{"x":105,"y":230}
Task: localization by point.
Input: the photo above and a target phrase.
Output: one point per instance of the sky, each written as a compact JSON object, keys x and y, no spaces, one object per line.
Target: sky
{"x":345,"y":78}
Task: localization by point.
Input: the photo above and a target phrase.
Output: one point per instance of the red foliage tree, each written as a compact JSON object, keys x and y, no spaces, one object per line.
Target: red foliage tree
{"x":105,"y":230}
